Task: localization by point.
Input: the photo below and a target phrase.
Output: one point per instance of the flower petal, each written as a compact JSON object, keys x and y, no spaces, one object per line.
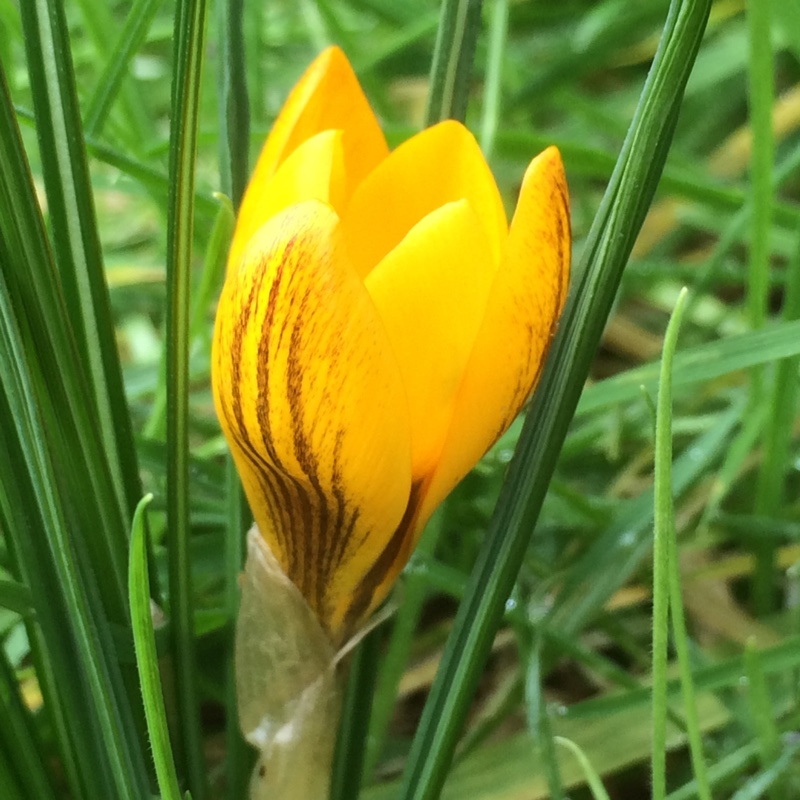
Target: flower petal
{"x":437,"y":166}
{"x":310,"y":398}
{"x":314,"y":171}
{"x":327,"y":97}
{"x":431,"y":293}
{"x":523,"y":310}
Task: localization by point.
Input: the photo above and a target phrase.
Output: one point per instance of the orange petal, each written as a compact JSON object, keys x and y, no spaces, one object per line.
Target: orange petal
{"x":523,"y":309}
{"x":431,"y":293}
{"x":327,"y":97}
{"x":311,"y":401}
{"x":438,"y":166}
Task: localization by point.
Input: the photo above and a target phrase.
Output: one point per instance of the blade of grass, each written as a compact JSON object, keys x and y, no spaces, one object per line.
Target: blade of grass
{"x":116,"y":735}
{"x":663,"y":533}
{"x":189,"y":37}
{"x":592,"y":778}
{"x":19,"y":739}
{"x":761,"y":94}
{"x":415,"y":591}
{"x":144,"y":642}
{"x":348,"y":762}
{"x":99,"y":19}
{"x":607,"y":249}
{"x":761,"y":716}
{"x":498,"y":32}
{"x":451,"y":71}
{"x":696,"y":365}
{"x":130,"y":39}
{"x":77,"y":250}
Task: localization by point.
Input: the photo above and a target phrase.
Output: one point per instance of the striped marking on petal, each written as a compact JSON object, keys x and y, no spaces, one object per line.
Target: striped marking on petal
{"x":309,"y":395}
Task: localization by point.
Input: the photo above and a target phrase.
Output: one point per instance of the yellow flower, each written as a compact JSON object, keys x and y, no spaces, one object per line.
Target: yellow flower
{"x":380,"y":327}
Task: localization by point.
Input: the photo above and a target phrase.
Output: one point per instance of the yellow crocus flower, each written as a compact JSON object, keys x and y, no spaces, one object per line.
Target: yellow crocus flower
{"x":380,"y":327}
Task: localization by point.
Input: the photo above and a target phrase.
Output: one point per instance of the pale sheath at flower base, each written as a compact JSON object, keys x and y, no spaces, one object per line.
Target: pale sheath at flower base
{"x":380,"y":327}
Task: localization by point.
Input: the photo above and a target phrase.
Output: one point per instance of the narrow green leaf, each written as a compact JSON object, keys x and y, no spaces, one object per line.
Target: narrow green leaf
{"x":498,"y":32}
{"x":16,"y":597}
{"x":698,"y":365}
{"x":663,"y":534}
{"x":82,"y":614}
{"x":19,"y":739}
{"x":761,"y":93}
{"x":77,"y":251}
{"x":592,"y":778}
{"x":144,"y":641}
{"x":451,"y":71}
{"x":761,"y":716}
{"x":189,"y":37}
{"x":356,"y":706}
{"x":121,"y":53}
{"x":607,"y":249}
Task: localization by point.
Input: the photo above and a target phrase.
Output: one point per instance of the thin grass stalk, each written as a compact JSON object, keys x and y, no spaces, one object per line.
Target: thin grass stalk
{"x":451,"y":71}
{"x":348,"y":761}
{"x":414,"y":592}
{"x":607,"y":249}
{"x":112,"y":77}
{"x":189,"y":42}
{"x":493,"y":84}
{"x":663,"y":534}
{"x":147,"y":658}
{"x":135,"y":128}
{"x":761,"y":93}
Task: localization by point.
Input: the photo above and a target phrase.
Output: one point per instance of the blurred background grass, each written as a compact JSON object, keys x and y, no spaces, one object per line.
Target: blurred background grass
{"x":573,"y":659}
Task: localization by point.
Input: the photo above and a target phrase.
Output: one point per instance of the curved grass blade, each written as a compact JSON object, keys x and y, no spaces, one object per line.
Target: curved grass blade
{"x":147,"y":658}
{"x":189,"y":42}
{"x":607,"y":248}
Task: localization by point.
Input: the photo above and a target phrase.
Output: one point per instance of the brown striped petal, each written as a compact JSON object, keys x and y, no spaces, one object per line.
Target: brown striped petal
{"x":310,"y":398}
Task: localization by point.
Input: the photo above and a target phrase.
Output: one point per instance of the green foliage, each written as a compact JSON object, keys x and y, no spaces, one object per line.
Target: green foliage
{"x":529,"y":597}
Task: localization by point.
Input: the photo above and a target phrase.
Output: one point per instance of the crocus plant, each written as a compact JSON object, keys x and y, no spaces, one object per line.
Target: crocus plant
{"x":380,"y":327}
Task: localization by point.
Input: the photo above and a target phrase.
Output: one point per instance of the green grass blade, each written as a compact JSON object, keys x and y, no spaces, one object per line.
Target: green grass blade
{"x":592,"y":778}
{"x":16,"y":597}
{"x":130,"y":39}
{"x":233,"y":100}
{"x":19,"y":740}
{"x":761,"y":716}
{"x":147,"y":658}
{"x":136,"y":127}
{"x":77,"y":248}
{"x":699,"y":364}
{"x":761,"y":92}
{"x":605,"y":255}
{"x":451,"y":72}
{"x":189,"y":43}
{"x":663,"y":533}
{"x":348,"y":761}
{"x":93,"y":650}
{"x":498,"y":32}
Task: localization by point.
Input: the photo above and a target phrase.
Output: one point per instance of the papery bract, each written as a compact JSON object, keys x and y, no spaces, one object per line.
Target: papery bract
{"x":380,"y":327}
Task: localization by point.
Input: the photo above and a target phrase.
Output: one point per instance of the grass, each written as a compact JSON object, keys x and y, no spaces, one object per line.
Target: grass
{"x":539,"y":647}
